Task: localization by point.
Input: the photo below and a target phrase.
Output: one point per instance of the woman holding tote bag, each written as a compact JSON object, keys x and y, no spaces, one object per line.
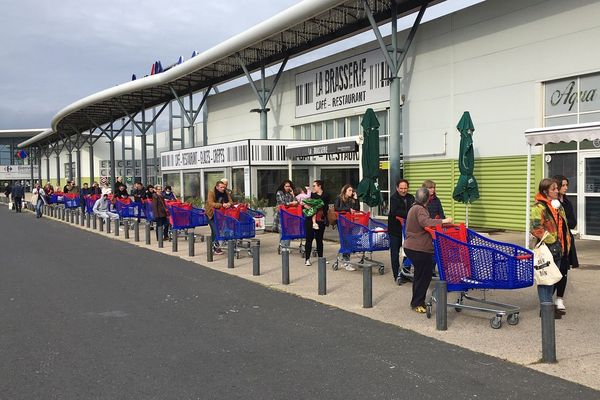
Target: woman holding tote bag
{"x":549,"y":224}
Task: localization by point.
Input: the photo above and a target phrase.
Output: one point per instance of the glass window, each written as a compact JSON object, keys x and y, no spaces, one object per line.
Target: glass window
{"x":210,"y":180}
{"x":383,"y":125}
{"x":306,"y":132}
{"x":297,"y":133}
{"x":589,"y":98}
{"x":340,"y":125}
{"x":592,"y":215}
{"x":191,"y":185}
{"x":557,"y":121}
{"x":174,"y":181}
{"x":268,"y":182}
{"x":564,"y":164}
{"x":238,"y":184}
{"x":354,"y":126}
{"x":300,"y":177}
{"x":334,"y":179}
{"x":384,"y":145}
{"x":592,"y":175}
{"x":318,"y":129}
{"x":329,"y":134}
{"x":589,"y":117}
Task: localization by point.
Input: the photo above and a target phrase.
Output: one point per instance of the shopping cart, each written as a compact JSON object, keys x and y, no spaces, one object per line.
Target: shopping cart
{"x":72,"y":200}
{"x":291,"y":226}
{"x":183,"y":216}
{"x":469,"y":261}
{"x":57,"y":198}
{"x":89,"y":201}
{"x":359,"y":233}
{"x":127,"y":209}
{"x":235,"y":224}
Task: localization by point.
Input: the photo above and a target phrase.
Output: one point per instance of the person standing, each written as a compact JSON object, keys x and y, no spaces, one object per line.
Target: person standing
{"x":347,"y":202}
{"x":400,"y":203}
{"x":316,"y":232}
{"x":38,"y":199}
{"x":85,"y":191}
{"x":419,"y":247}
{"x":118,"y":183}
{"x":434,"y":205}
{"x":548,"y":215}
{"x":95,"y":189}
{"x":159,"y":209}
{"x":216,"y":199}
{"x":168,"y":194}
{"x":563,"y":188}
{"x":284,"y":196}
{"x":18,"y":193}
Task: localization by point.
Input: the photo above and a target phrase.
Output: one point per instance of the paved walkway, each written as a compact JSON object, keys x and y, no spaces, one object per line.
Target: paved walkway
{"x":577,"y":333}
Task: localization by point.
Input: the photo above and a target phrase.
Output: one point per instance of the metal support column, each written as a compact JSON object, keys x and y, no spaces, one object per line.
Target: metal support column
{"x":263,"y":94}
{"x":78,"y":165}
{"x":394,"y":58}
{"x":91,"y":154}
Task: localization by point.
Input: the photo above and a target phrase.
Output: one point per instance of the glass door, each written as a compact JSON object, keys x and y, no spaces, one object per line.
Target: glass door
{"x":591,"y":196}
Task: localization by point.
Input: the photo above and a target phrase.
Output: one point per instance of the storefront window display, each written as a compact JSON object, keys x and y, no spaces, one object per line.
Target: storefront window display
{"x":210,"y":180}
{"x":270,"y":179}
{"x":191,"y":185}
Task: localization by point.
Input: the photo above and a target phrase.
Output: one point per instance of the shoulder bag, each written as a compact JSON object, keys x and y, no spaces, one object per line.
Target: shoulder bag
{"x":545,"y":272}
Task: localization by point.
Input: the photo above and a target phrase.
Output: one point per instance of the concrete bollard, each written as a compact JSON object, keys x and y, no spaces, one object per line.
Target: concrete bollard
{"x":88,"y":218}
{"x":548,"y":333}
{"x":230,"y":253}
{"x":126,"y":228}
{"x":322,"y":271}
{"x":76,"y":217}
{"x":209,"y":248}
{"x":82,"y":216}
{"x":367,"y":286}
{"x":147,"y":232}
{"x":94,"y":222}
{"x":255,"y":258}
{"x":160,"y":230}
{"x":191,"y":244}
{"x":285,"y":266}
{"x":441,"y":308}
{"x":101,"y":224}
{"x":174,"y":243}
{"x":136,"y":230}
{"x":117,"y":221}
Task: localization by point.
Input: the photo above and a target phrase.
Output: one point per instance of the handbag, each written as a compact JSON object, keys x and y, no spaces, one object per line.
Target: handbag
{"x":545,"y":272}
{"x":332,"y":216}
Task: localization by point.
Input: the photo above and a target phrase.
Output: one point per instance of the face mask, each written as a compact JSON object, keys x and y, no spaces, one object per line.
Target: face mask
{"x":555,"y":203}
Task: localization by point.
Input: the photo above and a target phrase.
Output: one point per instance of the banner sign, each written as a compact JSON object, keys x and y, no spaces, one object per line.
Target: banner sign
{"x":17,"y":172}
{"x":218,"y":155}
{"x":352,"y":82}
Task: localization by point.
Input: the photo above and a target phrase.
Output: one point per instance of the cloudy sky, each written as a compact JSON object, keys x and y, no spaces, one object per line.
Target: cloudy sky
{"x":56,"y":52}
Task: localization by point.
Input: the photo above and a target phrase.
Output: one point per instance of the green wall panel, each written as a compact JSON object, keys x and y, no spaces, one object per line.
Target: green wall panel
{"x":502,"y":183}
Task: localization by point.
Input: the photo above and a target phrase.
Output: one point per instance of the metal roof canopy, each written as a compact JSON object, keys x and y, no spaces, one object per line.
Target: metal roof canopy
{"x":301,"y":28}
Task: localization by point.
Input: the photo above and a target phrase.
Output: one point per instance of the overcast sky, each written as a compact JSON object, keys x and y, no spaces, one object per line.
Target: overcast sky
{"x":56,"y":52}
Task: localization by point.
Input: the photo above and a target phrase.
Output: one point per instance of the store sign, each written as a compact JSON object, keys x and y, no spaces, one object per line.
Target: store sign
{"x":572,"y":95}
{"x":352,"y":82}
{"x":220,"y":155}
{"x":322,"y":149}
{"x":14,"y":172}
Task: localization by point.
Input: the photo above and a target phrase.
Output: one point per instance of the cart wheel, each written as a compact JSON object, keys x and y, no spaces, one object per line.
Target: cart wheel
{"x":428,"y":311}
{"x":314,"y":253}
{"x":335,"y":266}
{"x":513,"y":319}
{"x":496,"y":322}
{"x":457,"y":309}
{"x":381,"y":270}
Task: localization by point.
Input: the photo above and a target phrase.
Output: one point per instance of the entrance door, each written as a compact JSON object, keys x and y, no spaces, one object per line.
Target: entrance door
{"x":591,"y":196}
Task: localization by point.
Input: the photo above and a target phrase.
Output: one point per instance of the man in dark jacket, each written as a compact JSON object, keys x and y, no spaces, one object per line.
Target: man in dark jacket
{"x":85,"y":191}
{"x":18,"y":193}
{"x":138,"y":192}
{"x":122,"y":192}
{"x":159,"y":209}
{"x":400,"y":203}
{"x":118,"y":184}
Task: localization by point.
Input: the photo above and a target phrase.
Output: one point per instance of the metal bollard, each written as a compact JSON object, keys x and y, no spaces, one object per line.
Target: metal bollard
{"x":367,"y":286}
{"x":548,"y":333}
{"x":63,"y":214}
{"x":87,"y":220}
{"x":441,"y":308}
{"x":256,"y":258}
{"x":322,"y":271}
{"x":136,"y":230}
{"x":191,"y":244}
{"x":108,"y":225}
{"x":174,"y":244}
{"x":160,"y":230}
{"x":82,"y":216}
{"x":126,"y":228}
{"x":101,"y":224}
{"x":147,"y":232}
{"x":76,"y":218}
{"x":209,"y":248}
{"x":117,"y":227}
{"x":285,"y":266}
{"x":230,"y":253}
{"x":94,"y":222}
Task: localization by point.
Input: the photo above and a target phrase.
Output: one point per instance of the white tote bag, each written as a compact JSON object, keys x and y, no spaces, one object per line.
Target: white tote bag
{"x":546,"y":272}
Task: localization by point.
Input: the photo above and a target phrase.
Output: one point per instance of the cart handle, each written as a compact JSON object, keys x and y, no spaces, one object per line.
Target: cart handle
{"x":524,"y":257}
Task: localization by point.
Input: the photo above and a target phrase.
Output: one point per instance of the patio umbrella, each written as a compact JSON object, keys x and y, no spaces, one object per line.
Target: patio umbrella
{"x":368,"y":188}
{"x":466,"y":190}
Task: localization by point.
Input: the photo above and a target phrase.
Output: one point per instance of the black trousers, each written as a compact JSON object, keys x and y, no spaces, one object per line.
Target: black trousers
{"x":561,"y":286}
{"x":18,"y":202}
{"x":395,"y":244}
{"x":422,"y":262}
{"x":164,"y":222}
{"x":311,"y":234}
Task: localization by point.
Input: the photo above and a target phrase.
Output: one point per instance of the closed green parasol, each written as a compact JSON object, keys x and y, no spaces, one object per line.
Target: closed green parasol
{"x":368,"y":188}
{"x":466,"y":190}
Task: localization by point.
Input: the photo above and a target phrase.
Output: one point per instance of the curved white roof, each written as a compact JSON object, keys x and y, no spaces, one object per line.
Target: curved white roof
{"x":305,"y":26}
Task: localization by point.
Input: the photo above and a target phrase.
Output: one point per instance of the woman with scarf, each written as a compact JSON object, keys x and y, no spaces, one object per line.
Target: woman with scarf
{"x":548,"y":215}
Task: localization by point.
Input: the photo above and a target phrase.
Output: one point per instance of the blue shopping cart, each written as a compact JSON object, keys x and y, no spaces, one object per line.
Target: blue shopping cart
{"x":291,"y":226}
{"x":237,"y":226}
{"x":469,"y":261}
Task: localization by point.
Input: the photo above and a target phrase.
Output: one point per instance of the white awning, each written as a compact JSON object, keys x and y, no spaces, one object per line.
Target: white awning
{"x":564,"y":133}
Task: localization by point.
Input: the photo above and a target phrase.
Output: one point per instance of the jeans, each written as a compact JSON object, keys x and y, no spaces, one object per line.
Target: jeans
{"x":545,"y":293}
{"x":38,"y":208}
{"x":213,"y":230}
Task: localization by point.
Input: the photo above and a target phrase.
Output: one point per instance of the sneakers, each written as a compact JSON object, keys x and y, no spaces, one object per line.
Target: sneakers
{"x":316,"y":226}
{"x":420,"y":309}
{"x":218,"y":251}
{"x":349,"y":267}
{"x":307,"y":263}
{"x":560,"y":306}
